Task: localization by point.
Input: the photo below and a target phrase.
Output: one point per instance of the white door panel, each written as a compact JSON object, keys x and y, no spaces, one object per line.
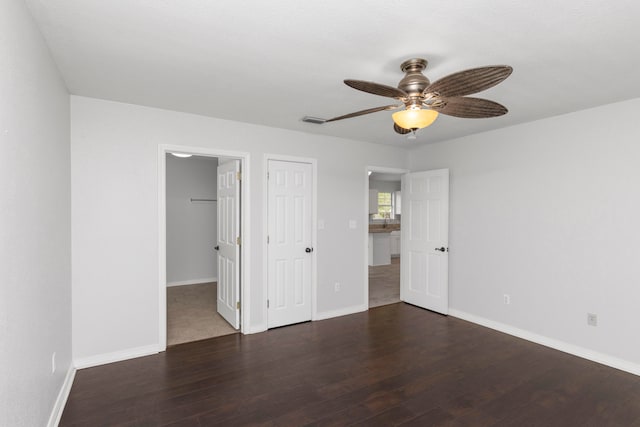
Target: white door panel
{"x":228,"y":195}
{"x":425,"y":240}
{"x":289,"y":229}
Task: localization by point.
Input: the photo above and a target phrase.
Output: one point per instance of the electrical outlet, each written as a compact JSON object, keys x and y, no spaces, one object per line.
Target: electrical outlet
{"x":53,"y":363}
{"x":336,"y":287}
{"x":507,"y":299}
{"x":592,"y":319}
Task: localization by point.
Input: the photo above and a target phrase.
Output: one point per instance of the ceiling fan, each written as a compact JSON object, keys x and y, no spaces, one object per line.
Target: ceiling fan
{"x":423,"y":100}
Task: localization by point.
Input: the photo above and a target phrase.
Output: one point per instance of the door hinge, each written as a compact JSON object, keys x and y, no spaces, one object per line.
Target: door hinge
{"x":238,"y":305}
{"x":239,"y":176}
{"x":267,"y":303}
{"x":267,"y":240}
{"x":238,"y":241}
{"x":267,"y":175}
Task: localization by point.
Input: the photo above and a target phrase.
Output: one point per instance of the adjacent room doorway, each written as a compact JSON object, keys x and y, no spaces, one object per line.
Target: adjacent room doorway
{"x":424,"y":238}
{"x":384,"y":255}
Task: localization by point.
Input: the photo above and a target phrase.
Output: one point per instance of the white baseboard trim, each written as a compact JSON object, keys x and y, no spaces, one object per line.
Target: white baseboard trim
{"x":585,"y":353}
{"x":340,"y":312}
{"x":117,"y":356}
{"x":192,"y":282}
{"x":61,"y":400}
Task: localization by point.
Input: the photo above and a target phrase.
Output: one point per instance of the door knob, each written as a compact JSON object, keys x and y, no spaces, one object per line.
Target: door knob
{"x":442,"y":249}
{"x":308,"y":250}
{"x":217,"y":248}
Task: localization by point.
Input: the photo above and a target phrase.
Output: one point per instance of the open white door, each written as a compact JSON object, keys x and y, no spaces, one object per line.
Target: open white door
{"x":425,"y":238}
{"x":229,"y":242}
{"x":290,"y":250}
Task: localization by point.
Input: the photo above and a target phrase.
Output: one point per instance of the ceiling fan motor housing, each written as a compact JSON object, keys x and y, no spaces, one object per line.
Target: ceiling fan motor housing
{"x":414,"y":82}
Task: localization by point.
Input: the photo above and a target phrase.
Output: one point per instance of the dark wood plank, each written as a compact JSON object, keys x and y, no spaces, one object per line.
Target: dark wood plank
{"x":392,"y":365}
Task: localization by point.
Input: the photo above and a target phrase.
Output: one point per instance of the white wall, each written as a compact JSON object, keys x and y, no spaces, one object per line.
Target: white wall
{"x":115,"y":214}
{"x":35,"y":236}
{"x":549,"y":213}
{"x":191,"y":226}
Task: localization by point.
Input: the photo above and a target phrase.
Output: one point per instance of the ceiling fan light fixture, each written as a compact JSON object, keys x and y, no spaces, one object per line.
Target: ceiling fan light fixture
{"x":414,"y":118}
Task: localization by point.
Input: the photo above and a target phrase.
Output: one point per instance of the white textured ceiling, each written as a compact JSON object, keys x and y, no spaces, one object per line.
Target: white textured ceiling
{"x":273,"y":62}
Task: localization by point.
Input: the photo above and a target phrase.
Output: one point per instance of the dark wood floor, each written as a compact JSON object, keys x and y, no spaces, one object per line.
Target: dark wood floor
{"x":392,"y":365}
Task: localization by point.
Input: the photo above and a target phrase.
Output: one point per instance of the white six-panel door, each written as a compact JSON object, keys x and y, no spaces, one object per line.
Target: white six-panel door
{"x":289,"y":247}
{"x":228,"y":195}
{"x":425,"y":240}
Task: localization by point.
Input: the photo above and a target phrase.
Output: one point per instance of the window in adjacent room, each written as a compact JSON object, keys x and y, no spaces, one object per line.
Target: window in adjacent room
{"x":385,"y":206}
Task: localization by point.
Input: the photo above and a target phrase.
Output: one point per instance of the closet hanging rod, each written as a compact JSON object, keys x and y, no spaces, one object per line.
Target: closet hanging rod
{"x":203,"y":200}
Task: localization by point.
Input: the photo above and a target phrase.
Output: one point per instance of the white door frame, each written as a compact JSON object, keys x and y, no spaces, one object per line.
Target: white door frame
{"x":245,"y":270}
{"x":381,"y":169}
{"x":314,"y":230}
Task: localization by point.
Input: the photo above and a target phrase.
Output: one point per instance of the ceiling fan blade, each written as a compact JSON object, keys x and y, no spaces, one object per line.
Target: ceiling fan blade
{"x":470,"y":81}
{"x":471,"y":108}
{"x":377,"y":89}
{"x":363,"y":112}
{"x":401,"y":131}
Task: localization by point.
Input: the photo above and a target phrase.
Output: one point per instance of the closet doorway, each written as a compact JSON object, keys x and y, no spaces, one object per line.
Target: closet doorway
{"x":202,"y":275}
